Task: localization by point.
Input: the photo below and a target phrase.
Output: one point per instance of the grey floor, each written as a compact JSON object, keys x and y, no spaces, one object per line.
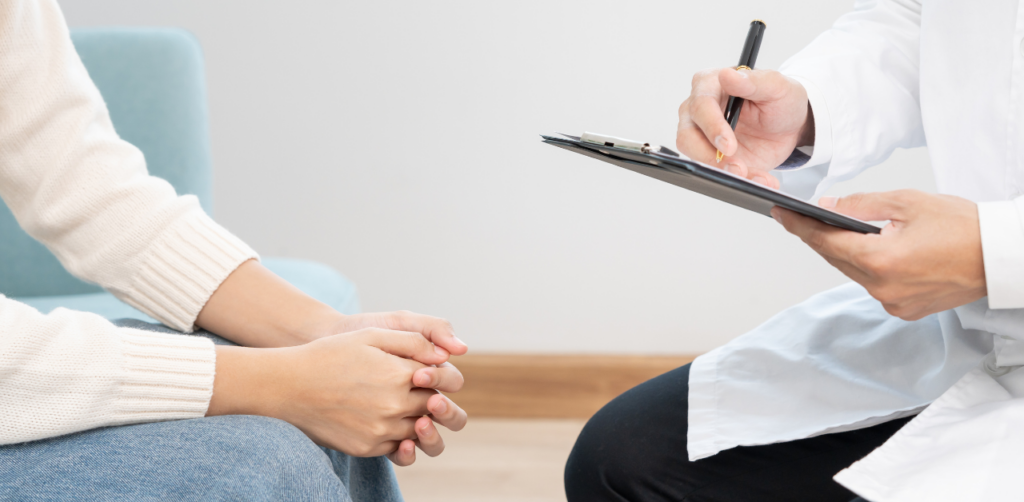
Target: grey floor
{"x":494,"y":460}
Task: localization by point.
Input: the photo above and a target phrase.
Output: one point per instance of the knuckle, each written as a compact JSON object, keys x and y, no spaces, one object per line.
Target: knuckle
{"x":378,"y":430}
{"x":816,"y":240}
{"x":887,"y":296}
{"x":434,"y":378}
{"x":891,"y":309}
{"x":390,"y":409}
{"x":702,"y":75}
{"x":880,"y":265}
{"x":394,"y":319}
{"x":363,"y":449}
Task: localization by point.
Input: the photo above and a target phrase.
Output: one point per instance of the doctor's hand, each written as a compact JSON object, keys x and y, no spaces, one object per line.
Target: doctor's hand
{"x":775,"y":119}
{"x":926,"y":260}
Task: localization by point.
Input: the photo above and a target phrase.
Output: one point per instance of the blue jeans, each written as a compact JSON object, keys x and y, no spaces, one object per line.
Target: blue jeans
{"x":238,"y":457}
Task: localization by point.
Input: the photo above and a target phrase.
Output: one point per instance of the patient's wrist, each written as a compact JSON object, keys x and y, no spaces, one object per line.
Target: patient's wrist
{"x":245,"y":382}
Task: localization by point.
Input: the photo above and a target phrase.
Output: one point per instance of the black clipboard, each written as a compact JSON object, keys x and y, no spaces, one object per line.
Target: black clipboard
{"x":666,"y":165}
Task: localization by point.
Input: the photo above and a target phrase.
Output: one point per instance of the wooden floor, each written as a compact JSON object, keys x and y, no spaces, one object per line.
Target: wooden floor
{"x":552,"y":386}
{"x":494,"y":460}
{"x":525,"y":414}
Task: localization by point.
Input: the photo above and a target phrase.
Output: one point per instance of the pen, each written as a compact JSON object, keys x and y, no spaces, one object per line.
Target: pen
{"x":747,"y":58}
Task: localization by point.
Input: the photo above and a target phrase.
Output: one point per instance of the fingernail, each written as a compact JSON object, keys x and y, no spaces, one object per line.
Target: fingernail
{"x":440,"y":408}
{"x":734,"y":169}
{"x":828,"y":202}
{"x":775,"y":215}
{"x":745,"y":73}
{"x":761,"y":180}
{"x":460,"y":342}
{"x":721,"y":142}
{"x":441,"y":352}
{"x":426,"y":431}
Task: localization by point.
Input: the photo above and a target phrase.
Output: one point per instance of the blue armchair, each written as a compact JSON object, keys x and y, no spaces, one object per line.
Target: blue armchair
{"x":152,"y":80}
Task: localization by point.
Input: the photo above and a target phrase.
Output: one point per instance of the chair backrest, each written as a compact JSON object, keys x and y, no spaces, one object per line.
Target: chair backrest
{"x":152,"y":81}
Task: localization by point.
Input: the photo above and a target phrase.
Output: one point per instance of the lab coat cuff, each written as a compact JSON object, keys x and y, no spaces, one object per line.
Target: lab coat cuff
{"x":822,"y":150}
{"x":1002,"y":246}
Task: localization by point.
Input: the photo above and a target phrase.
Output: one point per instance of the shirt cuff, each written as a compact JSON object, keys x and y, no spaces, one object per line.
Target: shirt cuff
{"x":1002,"y":247}
{"x":183,"y":269}
{"x":822,"y":149}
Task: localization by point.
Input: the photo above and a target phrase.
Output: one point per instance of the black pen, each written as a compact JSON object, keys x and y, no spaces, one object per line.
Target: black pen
{"x":747,"y":59}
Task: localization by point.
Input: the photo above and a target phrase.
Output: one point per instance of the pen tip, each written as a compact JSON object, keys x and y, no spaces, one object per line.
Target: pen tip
{"x":718,"y":156}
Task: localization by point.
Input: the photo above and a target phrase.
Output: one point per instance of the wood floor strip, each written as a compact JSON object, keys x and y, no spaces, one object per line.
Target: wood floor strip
{"x":552,"y":386}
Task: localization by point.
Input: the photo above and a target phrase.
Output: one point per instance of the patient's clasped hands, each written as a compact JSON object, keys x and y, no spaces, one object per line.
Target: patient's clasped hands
{"x":352,"y":392}
{"x":926,"y":260}
{"x":364,"y":384}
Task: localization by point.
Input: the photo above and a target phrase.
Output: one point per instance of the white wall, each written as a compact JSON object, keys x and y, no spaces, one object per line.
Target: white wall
{"x":397,"y":141}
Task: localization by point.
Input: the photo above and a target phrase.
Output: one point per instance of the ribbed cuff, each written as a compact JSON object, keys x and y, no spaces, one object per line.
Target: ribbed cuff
{"x":165,"y":377}
{"x":183,"y":269}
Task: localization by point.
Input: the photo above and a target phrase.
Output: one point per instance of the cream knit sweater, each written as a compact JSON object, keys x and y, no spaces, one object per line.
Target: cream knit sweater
{"x":74,"y":185}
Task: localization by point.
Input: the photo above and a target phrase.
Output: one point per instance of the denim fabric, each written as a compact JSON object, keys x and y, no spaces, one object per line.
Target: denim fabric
{"x":244,"y":458}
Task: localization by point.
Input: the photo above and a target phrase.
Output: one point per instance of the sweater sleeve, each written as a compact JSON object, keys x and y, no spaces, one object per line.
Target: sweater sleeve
{"x":72,"y":371}
{"x":75,"y":186}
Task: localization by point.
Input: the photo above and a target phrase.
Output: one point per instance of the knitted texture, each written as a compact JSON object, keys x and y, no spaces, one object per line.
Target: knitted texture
{"x":75,"y":186}
{"x":71,"y":371}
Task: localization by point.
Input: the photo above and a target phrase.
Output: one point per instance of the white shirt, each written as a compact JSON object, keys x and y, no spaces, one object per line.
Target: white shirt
{"x":899,"y":74}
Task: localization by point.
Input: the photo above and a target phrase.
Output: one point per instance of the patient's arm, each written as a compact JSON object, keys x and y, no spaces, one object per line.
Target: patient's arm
{"x":366,"y":385}
{"x":256,"y":308}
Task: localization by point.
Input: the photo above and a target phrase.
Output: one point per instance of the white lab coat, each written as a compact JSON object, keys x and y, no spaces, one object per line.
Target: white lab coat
{"x":899,"y":74}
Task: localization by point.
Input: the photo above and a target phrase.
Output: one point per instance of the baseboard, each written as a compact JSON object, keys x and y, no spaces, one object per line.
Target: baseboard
{"x":552,"y":386}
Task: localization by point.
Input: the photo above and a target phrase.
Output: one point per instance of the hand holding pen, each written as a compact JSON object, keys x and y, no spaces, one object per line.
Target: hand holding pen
{"x":768,"y":117}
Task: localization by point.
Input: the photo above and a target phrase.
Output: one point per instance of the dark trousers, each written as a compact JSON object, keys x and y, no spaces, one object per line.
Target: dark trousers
{"x":634,"y":450}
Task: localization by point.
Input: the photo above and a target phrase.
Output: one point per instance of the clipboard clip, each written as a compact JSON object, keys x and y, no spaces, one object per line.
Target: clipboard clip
{"x":613,"y":142}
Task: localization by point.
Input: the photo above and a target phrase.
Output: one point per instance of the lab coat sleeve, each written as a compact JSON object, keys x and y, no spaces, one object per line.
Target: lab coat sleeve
{"x":1002,"y":311}
{"x":1002,"y":245}
{"x":861,"y":77}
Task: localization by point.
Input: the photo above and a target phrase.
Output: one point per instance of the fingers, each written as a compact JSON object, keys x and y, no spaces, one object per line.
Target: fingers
{"x":766,"y":179}
{"x":754,"y":85}
{"x":437,"y":330}
{"x":692,"y":142}
{"x":428,"y":438}
{"x":406,"y":344}
{"x":445,"y":378}
{"x":446,"y":412}
{"x":829,"y":241}
{"x":705,"y":110}
{"x":405,"y":454}
{"x":873,"y":206}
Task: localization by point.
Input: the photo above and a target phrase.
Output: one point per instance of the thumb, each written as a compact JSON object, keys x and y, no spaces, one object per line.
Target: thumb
{"x":408,"y":345}
{"x":877,"y":206}
{"x":754,"y":85}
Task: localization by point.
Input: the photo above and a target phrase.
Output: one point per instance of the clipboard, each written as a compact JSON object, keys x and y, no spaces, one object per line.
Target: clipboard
{"x":666,"y":165}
